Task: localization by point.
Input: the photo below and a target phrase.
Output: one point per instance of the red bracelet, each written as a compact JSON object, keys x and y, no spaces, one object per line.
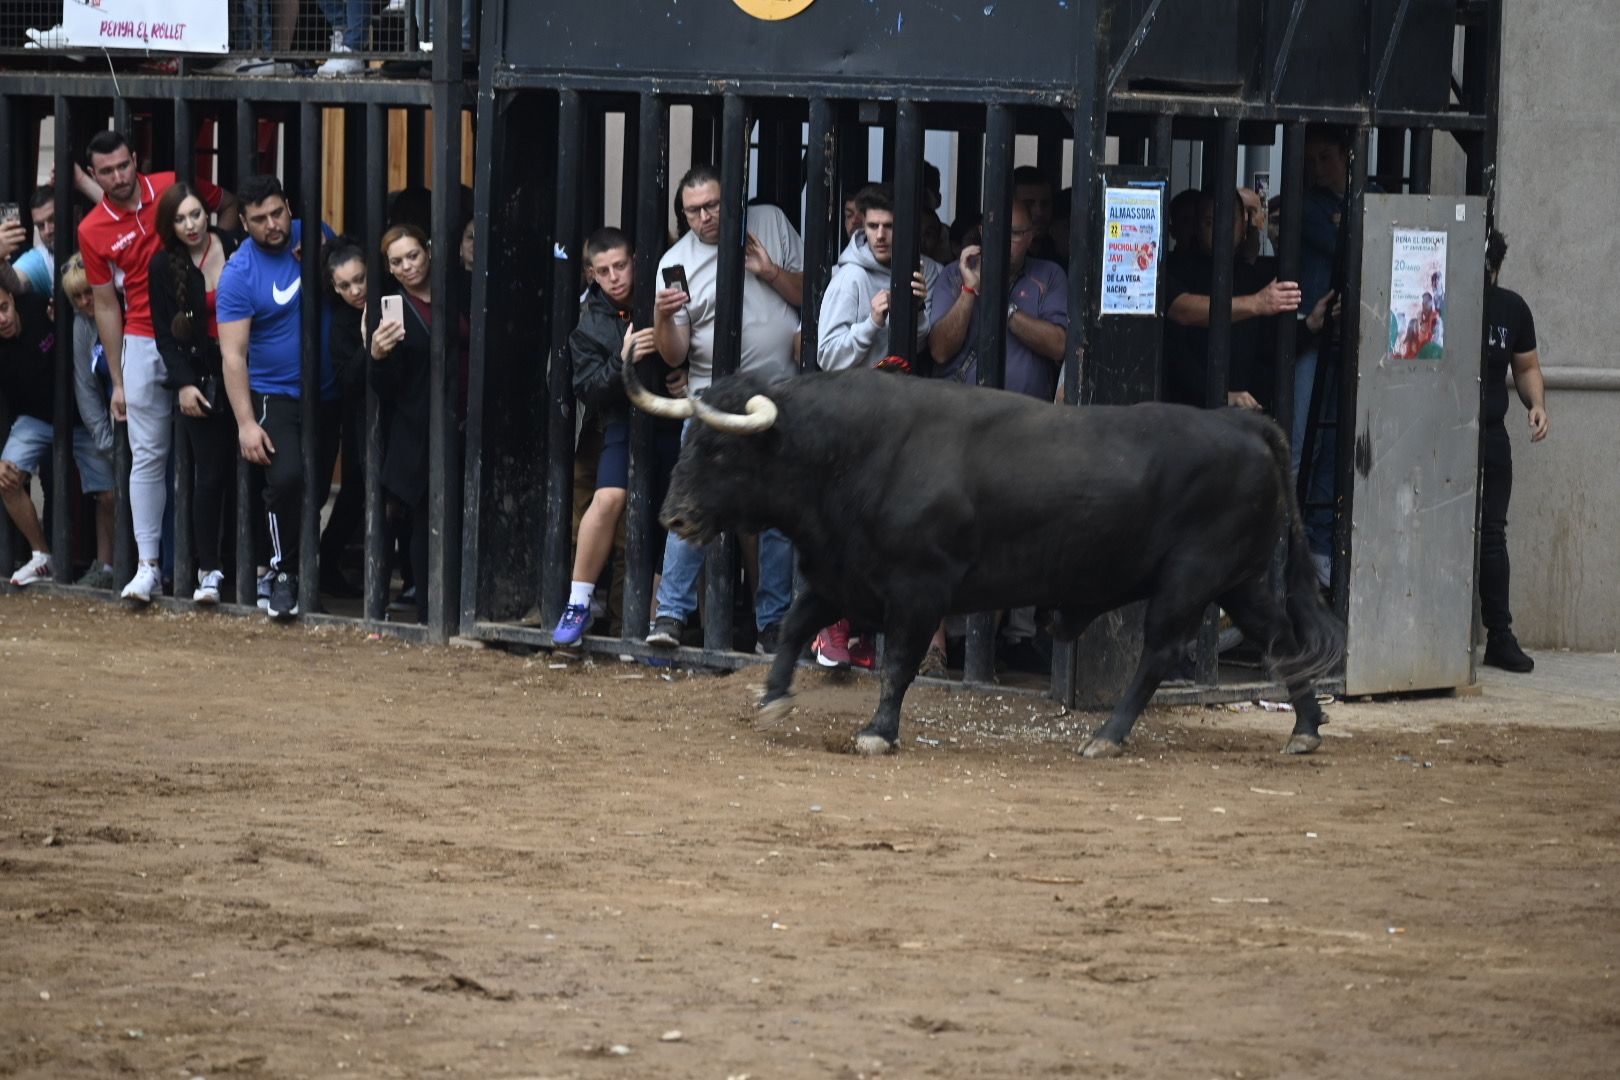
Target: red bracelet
{"x":970,"y":289}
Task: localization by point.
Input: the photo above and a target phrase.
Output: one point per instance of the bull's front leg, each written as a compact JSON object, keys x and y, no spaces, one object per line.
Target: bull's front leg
{"x":809,"y":613}
{"x":903,"y":648}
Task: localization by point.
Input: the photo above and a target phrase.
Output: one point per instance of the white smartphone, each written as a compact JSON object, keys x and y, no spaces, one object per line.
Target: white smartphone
{"x":393,"y":309}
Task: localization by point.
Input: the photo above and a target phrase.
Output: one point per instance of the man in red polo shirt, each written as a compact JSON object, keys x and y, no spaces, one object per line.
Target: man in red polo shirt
{"x":118,"y":239}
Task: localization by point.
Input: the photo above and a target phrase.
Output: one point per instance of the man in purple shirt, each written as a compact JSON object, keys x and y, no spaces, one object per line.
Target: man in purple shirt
{"x":1037,"y":316}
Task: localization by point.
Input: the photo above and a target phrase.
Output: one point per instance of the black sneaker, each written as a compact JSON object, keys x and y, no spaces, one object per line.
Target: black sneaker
{"x":765,"y":641}
{"x":666,"y":630}
{"x":1502,"y":651}
{"x":283,"y":596}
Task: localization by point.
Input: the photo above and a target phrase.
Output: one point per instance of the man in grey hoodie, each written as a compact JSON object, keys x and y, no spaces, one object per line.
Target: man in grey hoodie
{"x":855,"y":308}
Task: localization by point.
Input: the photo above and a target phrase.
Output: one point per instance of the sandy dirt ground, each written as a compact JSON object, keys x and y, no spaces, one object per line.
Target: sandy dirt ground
{"x":230,"y":850}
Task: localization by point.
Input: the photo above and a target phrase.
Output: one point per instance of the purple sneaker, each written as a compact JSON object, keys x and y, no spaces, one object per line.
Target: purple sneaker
{"x":571,"y":627}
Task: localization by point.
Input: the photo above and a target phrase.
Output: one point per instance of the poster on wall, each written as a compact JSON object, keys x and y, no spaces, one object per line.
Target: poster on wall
{"x":201,"y":26}
{"x":1131,"y":244}
{"x":1417,"y":295}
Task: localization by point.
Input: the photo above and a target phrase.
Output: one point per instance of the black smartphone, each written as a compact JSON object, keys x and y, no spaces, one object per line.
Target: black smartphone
{"x":675,"y":278}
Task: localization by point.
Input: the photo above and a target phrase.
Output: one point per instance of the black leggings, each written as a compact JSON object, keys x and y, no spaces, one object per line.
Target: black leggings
{"x":213,"y":452}
{"x":1496,"y":454}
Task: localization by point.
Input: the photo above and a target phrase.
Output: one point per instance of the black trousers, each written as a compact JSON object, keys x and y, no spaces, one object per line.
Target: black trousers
{"x":282,"y":418}
{"x":1496,"y":455}
{"x":214,"y":452}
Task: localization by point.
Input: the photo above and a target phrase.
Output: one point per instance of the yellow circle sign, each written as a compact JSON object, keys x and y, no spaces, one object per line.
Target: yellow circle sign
{"x":773,"y":10}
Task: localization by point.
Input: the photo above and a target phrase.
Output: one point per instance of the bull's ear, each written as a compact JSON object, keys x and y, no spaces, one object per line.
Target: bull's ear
{"x":757,"y":416}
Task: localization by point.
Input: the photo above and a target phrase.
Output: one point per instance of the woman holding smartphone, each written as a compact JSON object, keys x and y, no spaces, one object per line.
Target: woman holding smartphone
{"x":183,"y":276}
{"x":399,"y":348}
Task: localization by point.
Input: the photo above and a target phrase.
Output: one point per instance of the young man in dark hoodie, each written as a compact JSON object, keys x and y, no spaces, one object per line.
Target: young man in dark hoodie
{"x":596,"y":344}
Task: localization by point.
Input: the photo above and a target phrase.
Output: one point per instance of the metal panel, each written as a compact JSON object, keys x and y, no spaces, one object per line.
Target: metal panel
{"x":1411,"y":571}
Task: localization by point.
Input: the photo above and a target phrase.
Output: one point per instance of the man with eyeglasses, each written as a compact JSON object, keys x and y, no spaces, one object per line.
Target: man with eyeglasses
{"x":683,"y":329}
{"x":1037,"y":315}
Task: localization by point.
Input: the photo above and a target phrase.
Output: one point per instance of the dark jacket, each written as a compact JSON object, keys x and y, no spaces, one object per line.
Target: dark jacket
{"x":187,"y":361}
{"x":346,"y":341}
{"x":403,"y":382}
{"x":594,"y":346}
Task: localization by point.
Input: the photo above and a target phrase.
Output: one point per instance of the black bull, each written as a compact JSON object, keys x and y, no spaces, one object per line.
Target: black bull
{"x":909,"y":499}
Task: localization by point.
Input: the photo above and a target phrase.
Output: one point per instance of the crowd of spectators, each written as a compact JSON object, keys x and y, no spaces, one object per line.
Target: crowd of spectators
{"x":188,"y":296}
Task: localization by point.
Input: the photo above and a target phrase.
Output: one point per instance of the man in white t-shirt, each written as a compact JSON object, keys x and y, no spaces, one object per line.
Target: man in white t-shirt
{"x":684,"y":328}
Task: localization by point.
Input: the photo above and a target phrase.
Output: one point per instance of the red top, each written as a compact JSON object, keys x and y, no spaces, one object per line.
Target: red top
{"x":118,"y":245}
{"x":213,"y":323}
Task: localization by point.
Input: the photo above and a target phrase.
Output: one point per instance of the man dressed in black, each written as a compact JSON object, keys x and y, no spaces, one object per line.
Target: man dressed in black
{"x":1510,"y":338}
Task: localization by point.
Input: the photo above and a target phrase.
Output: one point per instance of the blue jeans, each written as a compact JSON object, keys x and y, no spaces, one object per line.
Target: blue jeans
{"x":1323,"y":480}
{"x":349,"y":18}
{"x":683,"y":562}
{"x":254,"y":16}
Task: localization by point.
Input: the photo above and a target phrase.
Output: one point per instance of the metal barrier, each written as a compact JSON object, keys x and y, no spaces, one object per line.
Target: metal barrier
{"x":500,"y":510}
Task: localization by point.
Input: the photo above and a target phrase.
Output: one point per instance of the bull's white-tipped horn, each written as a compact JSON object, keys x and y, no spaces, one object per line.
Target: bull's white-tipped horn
{"x":640,"y":396}
{"x":757,"y":416}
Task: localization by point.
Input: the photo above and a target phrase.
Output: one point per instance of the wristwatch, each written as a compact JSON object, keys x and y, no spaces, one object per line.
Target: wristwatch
{"x":1012,"y":309}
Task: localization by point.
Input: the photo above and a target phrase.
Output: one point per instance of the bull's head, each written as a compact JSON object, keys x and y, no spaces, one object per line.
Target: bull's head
{"x":758,"y":415}
{"x":715,"y":486}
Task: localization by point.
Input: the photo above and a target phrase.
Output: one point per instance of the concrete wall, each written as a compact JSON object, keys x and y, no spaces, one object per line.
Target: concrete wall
{"x":1559,"y":204}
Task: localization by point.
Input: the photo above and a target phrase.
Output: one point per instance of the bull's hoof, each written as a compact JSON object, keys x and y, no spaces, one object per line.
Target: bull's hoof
{"x":1300,"y":743}
{"x":773,"y":712}
{"x":1096,"y":747}
{"x":873,"y":745}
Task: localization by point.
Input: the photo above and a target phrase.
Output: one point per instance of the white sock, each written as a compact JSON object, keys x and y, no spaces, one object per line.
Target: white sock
{"x":579,"y":595}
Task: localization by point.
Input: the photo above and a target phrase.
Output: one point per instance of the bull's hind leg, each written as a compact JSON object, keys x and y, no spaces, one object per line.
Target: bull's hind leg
{"x":809,"y":613}
{"x":904,"y":643}
{"x":1257,"y":611}
{"x":1169,"y":622}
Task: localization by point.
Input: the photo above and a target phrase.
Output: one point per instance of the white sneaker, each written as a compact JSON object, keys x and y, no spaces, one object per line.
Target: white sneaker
{"x":146,"y":582}
{"x":36,"y":569}
{"x":395,"y":7}
{"x":208,"y":587}
{"x":337,"y":68}
{"x":263,"y":589}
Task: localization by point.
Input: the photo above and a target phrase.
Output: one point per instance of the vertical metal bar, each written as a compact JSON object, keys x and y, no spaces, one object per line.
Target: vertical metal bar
{"x":415,"y":139}
{"x":904,"y":312}
{"x":1161,"y":143}
{"x":9,"y":186}
{"x":651,"y":187}
{"x":247,"y":476}
{"x":1000,"y":134}
{"x":1422,"y":167}
{"x":1391,"y":143}
{"x":1217,"y":370}
{"x":1349,"y":374}
{"x":823,"y":220}
{"x":969,"y":172}
{"x":311,"y":300}
{"x":490,"y":135}
{"x":722,"y":558}
{"x":1218,"y":359}
{"x":560,"y":387}
{"x":1288,"y":261}
{"x":185,"y":563}
{"x":444,"y":427}
{"x":377,"y":566}
{"x":629,"y":167}
{"x":60,"y":525}
{"x":124,"y":554}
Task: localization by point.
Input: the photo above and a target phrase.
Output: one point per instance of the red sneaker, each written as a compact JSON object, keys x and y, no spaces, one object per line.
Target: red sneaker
{"x":863,"y":651}
{"x":832,"y":645}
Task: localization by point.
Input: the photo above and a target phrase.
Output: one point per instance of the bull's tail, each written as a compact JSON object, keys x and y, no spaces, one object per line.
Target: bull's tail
{"x":1318,"y":632}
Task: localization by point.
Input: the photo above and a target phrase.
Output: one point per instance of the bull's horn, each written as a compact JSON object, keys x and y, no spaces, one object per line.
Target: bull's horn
{"x":758,"y":415}
{"x":641,"y":397}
